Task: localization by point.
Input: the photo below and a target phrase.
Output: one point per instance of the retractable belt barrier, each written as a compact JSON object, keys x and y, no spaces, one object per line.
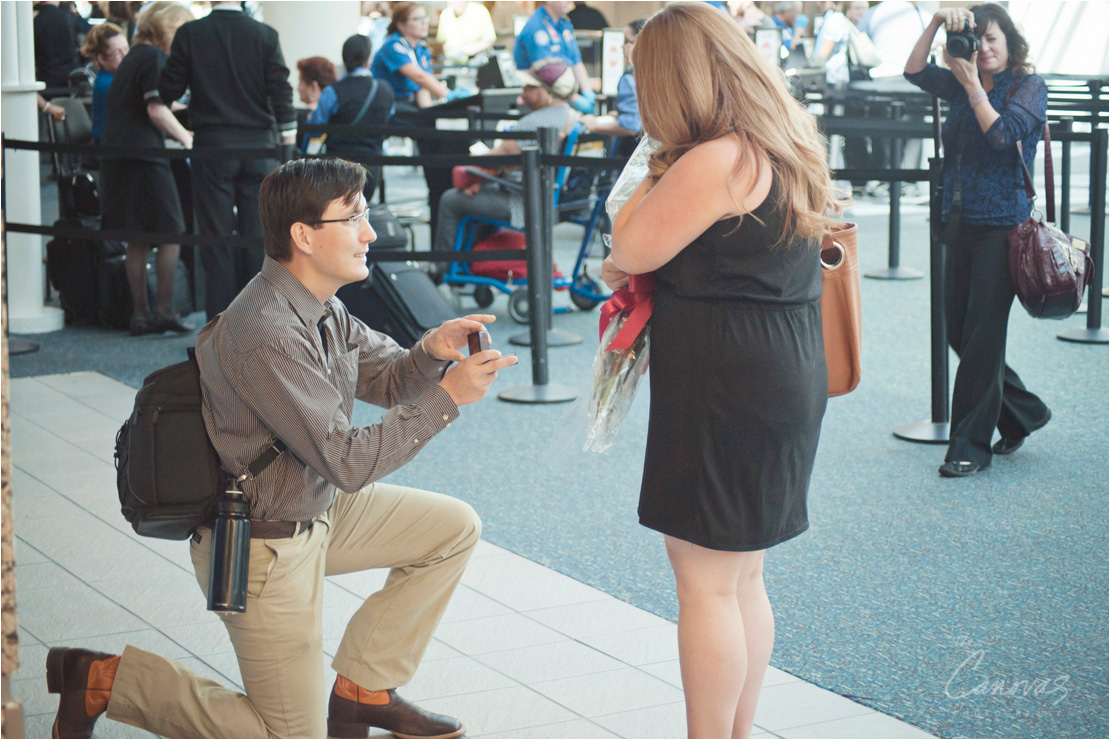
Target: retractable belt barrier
{"x":536,"y":182}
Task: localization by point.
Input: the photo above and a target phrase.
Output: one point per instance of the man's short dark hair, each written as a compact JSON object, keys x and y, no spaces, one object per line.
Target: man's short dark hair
{"x":356,"y":52}
{"x":299,"y":192}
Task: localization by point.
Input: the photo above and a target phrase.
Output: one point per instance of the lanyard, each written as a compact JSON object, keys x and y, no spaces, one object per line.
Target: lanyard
{"x":412,"y":52}
{"x":555,"y":38}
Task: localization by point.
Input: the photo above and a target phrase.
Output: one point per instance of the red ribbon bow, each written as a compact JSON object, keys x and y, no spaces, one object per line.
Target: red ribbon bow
{"x":638,"y":299}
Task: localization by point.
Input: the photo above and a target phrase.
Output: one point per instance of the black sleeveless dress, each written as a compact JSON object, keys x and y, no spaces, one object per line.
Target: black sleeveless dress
{"x":738,"y":386}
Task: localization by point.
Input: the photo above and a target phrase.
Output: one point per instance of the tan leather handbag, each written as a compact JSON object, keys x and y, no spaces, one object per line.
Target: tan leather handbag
{"x":841,"y":309}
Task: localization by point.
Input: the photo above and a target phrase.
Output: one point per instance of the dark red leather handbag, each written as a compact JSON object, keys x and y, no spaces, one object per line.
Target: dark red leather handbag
{"x":1049,"y":269}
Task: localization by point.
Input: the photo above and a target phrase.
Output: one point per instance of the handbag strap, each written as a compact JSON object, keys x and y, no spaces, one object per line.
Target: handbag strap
{"x":1049,"y":170}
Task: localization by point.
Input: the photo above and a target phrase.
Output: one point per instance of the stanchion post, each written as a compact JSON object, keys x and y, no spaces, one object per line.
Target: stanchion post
{"x":538,"y":294}
{"x":894,"y":270}
{"x":1065,"y":175}
{"x":16,"y":345}
{"x":548,"y":139}
{"x":1095,"y":333}
{"x":934,"y":430}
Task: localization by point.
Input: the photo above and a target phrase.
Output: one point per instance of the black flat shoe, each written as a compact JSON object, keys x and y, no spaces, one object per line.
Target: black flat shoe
{"x":959,"y":469}
{"x":1008,"y":445}
{"x":172,"y":323}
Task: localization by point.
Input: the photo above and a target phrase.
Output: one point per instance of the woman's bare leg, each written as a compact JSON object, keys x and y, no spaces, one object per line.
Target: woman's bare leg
{"x":712,"y":645}
{"x":759,"y":635}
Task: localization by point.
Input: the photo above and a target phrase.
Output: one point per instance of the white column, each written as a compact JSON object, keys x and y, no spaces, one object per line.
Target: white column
{"x":311,"y":29}
{"x":27,"y":313}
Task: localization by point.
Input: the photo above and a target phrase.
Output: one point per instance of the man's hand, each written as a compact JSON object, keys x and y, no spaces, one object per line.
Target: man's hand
{"x":613,"y":276}
{"x":446,"y":341}
{"x":468,"y":381}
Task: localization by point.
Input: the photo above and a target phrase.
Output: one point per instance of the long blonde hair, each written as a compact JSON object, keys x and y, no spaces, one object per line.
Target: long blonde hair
{"x":699,"y":78}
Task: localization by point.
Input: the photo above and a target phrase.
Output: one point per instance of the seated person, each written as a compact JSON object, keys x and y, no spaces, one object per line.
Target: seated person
{"x":465,"y":30}
{"x":357,"y":98}
{"x":548,"y":33}
{"x":627,"y":121}
{"x":314,"y":74}
{"x":287,"y":361}
{"x":405,"y":62}
{"x":107,"y":46}
{"x":547,"y":87}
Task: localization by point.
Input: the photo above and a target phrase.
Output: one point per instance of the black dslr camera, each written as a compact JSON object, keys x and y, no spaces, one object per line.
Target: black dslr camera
{"x":963,"y":43}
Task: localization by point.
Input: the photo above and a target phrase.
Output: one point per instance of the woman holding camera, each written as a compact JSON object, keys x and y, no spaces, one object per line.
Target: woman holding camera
{"x":997,"y":114}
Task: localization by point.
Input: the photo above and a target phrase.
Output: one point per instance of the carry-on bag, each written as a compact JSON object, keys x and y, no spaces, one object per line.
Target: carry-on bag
{"x":398,"y":299}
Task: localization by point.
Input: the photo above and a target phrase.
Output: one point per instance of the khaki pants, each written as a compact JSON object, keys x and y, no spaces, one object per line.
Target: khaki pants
{"x":424,"y":538}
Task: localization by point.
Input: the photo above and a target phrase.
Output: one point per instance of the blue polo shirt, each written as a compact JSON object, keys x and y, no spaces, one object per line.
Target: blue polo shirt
{"x":542,"y":37}
{"x":395,"y":53}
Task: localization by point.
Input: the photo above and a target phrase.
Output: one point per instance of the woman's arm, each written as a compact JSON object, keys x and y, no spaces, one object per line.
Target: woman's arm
{"x":919,"y":55}
{"x":164,"y":119}
{"x":660,"y":220}
{"x":434,"y":87}
{"x":605,"y":125}
{"x":967,"y":74}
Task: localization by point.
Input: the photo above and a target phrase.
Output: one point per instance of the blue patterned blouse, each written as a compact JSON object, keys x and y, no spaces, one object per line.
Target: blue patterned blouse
{"x":991,"y":185}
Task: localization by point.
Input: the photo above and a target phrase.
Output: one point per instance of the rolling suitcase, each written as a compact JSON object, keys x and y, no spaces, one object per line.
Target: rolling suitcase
{"x":398,"y":298}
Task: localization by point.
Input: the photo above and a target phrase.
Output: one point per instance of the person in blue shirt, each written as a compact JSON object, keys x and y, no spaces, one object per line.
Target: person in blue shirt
{"x":997,"y":105}
{"x":626,"y":122}
{"x":548,"y":33}
{"x":107,"y":46}
{"x":404,"y":60}
{"x":355,"y":99}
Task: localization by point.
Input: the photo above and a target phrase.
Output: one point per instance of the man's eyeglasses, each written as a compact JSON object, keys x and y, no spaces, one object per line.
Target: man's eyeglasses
{"x":354,"y":220}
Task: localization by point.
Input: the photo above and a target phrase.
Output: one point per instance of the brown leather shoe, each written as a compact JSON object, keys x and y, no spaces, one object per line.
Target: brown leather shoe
{"x":349,"y":718}
{"x":83,"y":679}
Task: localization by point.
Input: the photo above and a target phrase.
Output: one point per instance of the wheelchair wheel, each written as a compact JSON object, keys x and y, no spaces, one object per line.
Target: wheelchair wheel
{"x":483,"y":296}
{"x":587,"y":285}
{"x":519,"y":308}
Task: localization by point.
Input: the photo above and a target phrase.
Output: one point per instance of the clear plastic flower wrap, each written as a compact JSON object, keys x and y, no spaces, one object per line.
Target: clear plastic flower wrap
{"x":622,"y":358}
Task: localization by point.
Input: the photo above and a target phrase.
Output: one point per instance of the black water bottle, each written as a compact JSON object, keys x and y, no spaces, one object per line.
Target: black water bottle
{"x":229,"y":561}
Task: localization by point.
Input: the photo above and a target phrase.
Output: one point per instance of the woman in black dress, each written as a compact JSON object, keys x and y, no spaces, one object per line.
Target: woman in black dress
{"x":730,"y":220}
{"x":141,"y":193}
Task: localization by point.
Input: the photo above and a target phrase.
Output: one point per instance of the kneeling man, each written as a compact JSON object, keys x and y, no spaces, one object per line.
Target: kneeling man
{"x":285,"y":362}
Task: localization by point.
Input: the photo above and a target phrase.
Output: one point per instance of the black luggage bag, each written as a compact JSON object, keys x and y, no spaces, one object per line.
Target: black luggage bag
{"x":398,"y":298}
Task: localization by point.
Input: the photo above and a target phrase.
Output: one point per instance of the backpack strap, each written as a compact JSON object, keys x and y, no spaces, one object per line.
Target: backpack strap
{"x":271,"y":453}
{"x":366,"y":103}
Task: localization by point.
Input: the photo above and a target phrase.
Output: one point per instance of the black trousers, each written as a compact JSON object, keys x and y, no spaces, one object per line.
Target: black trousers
{"x":225,"y":196}
{"x":978,"y":294}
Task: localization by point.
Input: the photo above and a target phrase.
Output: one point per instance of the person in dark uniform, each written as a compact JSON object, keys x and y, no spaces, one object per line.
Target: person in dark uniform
{"x":357,"y":98}
{"x":142,"y":193}
{"x":233,"y":106}
{"x":55,"y":35}
{"x":730,"y":219}
{"x":585,"y":18}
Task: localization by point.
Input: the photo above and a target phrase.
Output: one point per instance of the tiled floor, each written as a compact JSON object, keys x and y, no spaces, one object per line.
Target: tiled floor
{"x":523,"y":651}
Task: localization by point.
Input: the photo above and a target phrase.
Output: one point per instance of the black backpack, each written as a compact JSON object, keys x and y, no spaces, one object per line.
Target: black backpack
{"x":167,"y":471}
